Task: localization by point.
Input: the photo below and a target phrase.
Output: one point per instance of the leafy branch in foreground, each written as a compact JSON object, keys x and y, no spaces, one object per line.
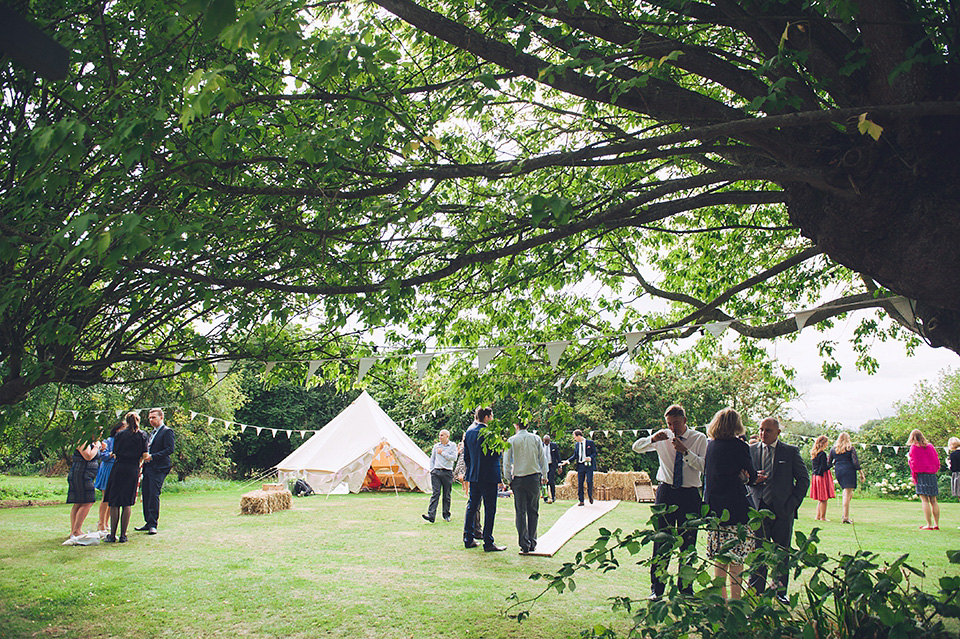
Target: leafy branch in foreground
{"x":852,"y":596}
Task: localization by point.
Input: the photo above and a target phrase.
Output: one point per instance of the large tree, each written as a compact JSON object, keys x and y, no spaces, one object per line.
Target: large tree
{"x":409,"y":162}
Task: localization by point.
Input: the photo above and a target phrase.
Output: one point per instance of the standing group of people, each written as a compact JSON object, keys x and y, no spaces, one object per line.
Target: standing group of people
{"x":735,"y":476}
{"x":115,"y":466}
{"x":922,"y":459}
{"x":528,"y":464}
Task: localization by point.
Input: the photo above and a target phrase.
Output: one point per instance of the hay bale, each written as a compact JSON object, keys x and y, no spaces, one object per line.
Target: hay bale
{"x":272,"y":487}
{"x":264,"y":502}
{"x":612,"y":485}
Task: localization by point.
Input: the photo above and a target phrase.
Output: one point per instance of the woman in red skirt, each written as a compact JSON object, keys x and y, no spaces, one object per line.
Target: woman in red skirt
{"x":821,"y":484}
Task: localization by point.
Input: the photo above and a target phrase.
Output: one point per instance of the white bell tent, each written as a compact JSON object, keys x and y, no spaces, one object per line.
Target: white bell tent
{"x":360,"y":439}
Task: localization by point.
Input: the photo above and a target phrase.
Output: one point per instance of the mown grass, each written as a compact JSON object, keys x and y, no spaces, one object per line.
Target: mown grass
{"x":348,"y":566}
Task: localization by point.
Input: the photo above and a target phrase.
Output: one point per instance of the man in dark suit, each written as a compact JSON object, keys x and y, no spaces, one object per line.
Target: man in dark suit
{"x":782,"y":482}
{"x":483,"y":473}
{"x":156,"y":465}
{"x":553,"y":463}
{"x":585,"y":457}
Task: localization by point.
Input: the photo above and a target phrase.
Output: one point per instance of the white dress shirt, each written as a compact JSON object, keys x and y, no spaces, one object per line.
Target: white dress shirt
{"x":696,"y":443}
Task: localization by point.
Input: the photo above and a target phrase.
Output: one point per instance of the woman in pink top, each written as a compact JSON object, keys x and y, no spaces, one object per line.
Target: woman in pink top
{"x":924,"y":464}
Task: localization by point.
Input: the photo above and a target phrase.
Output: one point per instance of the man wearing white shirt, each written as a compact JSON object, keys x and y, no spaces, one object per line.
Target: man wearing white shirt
{"x":681,"y":451}
{"x":442,"y":459}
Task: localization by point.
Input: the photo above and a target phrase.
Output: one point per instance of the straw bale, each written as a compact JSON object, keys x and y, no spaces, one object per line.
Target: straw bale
{"x":263,"y":502}
{"x":272,"y":487}
{"x":612,"y":485}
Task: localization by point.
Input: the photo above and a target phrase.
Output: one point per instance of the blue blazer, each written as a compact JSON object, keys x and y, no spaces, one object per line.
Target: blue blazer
{"x":722,"y":488}
{"x":591,"y":452}
{"x":480,"y":466}
{"x":161,"y":449}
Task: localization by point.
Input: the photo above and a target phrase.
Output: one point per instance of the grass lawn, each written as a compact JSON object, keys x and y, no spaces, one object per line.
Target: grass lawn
{"x":349,"y":566}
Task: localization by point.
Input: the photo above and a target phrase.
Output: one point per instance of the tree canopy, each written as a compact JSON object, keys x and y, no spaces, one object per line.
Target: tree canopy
{"x":469,"y":171}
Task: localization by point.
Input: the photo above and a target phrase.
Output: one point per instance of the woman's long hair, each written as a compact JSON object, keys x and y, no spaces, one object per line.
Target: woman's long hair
{"x":133,"y":421}
{"x":726,"y":424}
{"x":917,"y":439}
{"x":819,"y":445}
{"x":843,"y":443}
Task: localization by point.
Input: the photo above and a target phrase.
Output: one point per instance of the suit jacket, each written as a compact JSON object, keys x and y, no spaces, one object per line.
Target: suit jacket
{"x":591,"y":452}
{"x":788,"y":482}
{"x":480,"y":466}
{"x":554,"y":456}
{"x":161,"y":450}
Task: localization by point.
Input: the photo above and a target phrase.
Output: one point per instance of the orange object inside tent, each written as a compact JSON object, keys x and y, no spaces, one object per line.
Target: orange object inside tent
{"x":384,"y":471}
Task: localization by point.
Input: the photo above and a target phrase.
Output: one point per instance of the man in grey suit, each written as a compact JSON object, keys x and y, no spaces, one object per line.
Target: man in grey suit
{"x":782,"y":482}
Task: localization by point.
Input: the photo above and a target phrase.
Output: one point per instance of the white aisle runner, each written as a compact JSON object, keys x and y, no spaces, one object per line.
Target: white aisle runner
{"x":570,"y":523}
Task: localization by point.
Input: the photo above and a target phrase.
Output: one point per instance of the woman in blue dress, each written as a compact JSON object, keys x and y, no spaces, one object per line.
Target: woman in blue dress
{"x":843,"y":458}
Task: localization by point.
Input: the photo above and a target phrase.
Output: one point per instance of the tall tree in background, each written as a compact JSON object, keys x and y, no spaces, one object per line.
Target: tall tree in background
{"x":208,"y":165}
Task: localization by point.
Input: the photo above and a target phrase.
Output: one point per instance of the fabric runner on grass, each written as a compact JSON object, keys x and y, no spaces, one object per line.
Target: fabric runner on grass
{"x":570,"y":523}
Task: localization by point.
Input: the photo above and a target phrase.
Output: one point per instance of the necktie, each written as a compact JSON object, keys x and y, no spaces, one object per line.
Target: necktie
{"x":152,"y":435}
{"x":768,"y":470}
{"x":678,"y":469}
{"x":583,"y":452}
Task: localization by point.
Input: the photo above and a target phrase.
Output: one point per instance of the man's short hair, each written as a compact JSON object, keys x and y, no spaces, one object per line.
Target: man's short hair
{"x":156,"y":410}
{"x":774,"y":420}
{"x":675,"y":410}
{"x":546,"y":438}
{"x":482,"y":413}
{"x":578,"y":432}
{"x":444,"y":430}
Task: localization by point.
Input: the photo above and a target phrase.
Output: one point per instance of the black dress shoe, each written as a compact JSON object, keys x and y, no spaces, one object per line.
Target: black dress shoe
{"x":110,"y":539}
{"x":151,"y":531}
{"x":142,"y":528}
{"x":469,"y":544}
{"x":591,"y":500}
{"x":478,"y":535}
{"x":122,"y":539}
{"x":580,"y":504}
{"x":430,"y":519}
{"x":494,"y":548}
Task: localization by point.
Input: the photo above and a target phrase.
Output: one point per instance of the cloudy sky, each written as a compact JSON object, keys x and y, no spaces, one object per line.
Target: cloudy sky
{"x":857,"y":397}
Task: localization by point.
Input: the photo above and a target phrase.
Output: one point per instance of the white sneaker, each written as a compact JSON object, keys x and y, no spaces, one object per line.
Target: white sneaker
{"x":71,"y":541}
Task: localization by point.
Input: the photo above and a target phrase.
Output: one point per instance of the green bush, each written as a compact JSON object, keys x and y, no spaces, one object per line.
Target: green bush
{"x":850,"y":597}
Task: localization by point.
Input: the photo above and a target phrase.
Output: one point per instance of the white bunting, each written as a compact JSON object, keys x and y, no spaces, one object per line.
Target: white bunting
{"x":274,"y":431}
{"x":258,"y":429}
{"x":632,"y":340}
{"x":484,"y":355}
{"x":554,"y":351}
{"x":268,"y":367}
{"x":312,"y":368}
{"x":863,"y":446}
{"x":74,"y":413}
{"x":423,"y":360}
{"x":802,"y":317}
{"x":222,"y":367}
{"x":365,"y":364}
{"x":288,"y":433}
{"x":896,"y":449}
{"x":243,"y":427}
{"x":717,"y":328}
{"x":596,"y":370}
{"x":905,"y":308}
{"x":119,"y":413}
{"x":228,"y":424}
{"x":606,"y":433}
{"x":303,"y":433}
{"x":591,"y":434}
{"x":176,"y":367}
{"x":879,"y":448}
{"x":569,"y":381}
{"x":209,"y":420}
{"x":559,"y":382}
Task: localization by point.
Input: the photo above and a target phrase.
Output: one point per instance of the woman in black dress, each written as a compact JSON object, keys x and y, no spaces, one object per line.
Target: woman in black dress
{"x":129,"y":448}
{"x":726,"y":465}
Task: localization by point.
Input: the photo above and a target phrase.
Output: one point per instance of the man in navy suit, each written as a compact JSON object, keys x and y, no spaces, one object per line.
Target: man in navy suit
{"x":156,"y":465}
{"x":585,"y":457}
{"x":782,"y":482}
{"x":483,"y":473}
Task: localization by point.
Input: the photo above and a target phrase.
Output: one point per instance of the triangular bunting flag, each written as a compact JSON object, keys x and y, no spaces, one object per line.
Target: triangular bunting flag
{"x":879,"y":448}
{"x":717,"y":328}
{"x":484,"y":355}
{"x":896,"y":449}
{"x":243,"y":427}
{"x":209,"y":420}
{"x":596,"y":370}
{"x":802,"y":317}
{"x":632,"y":340}
{"x":274,"y":431}
{"x":119,"y":413}
{"x":303,"y":434}
{"x":559,"y":382}
{"x":193,"y":414}
{"x":258,"y":429}
{"x":268,"y":367}
{"x":423,"y":360}
{"x":554,"y":351}
{"x":365,"y":364}
{"x":905,"y":308}
{"x":222,"y":367}
{"x":312,"y":368}
{"x":176,"y":367}
{"x":74,"y":413}
{"x":606,"y":433}
{"x":569,"y":381}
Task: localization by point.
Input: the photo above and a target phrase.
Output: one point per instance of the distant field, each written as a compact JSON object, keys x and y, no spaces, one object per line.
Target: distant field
{"x":347,"y":566}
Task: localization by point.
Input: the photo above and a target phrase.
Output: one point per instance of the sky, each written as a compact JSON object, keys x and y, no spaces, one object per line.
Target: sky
{"x":856,"y":397}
